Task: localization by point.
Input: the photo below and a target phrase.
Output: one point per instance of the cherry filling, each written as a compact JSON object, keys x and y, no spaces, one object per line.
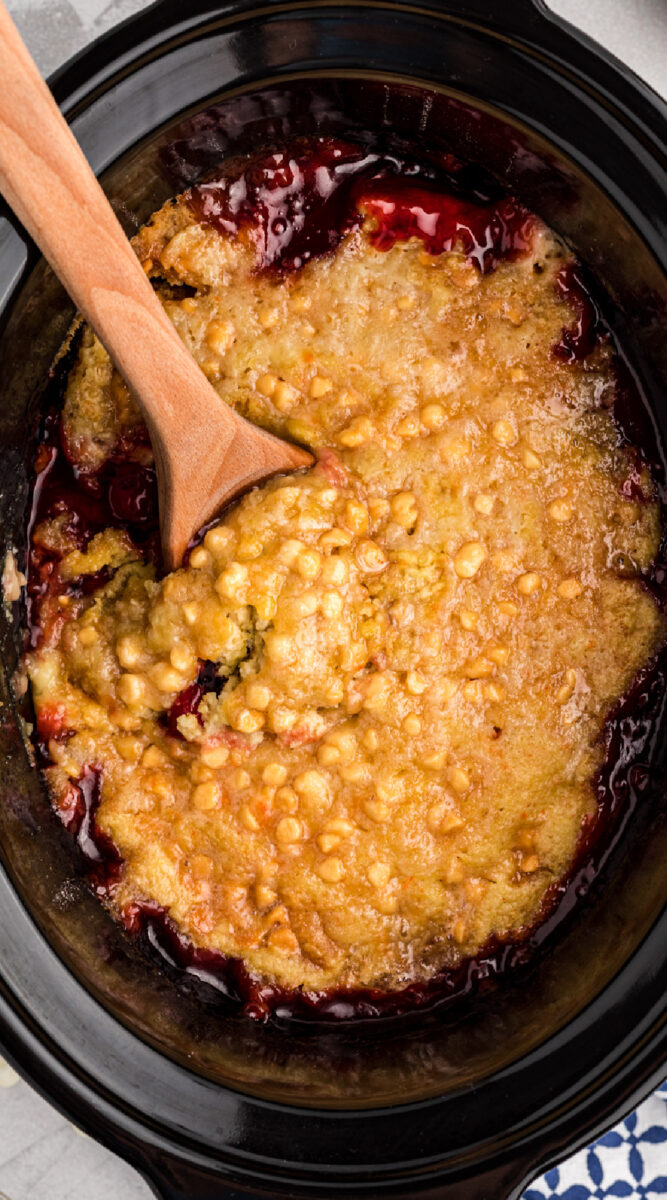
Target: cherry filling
{"x":300,"y":203}
{"x":132,"y":494}
{"x":577,"y":341}
{"x":190,"y":698}
{"x":123,"y":494}
{"x":97,"y":853}
{"x":488,"y":234}
{"x":296,"y":204}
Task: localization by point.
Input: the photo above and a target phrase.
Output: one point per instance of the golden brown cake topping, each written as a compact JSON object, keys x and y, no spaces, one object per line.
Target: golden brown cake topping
{"x":357,"y":734}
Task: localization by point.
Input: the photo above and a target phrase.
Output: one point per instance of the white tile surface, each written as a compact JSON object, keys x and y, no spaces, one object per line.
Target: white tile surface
{"x":42,"y":1157}
{"x":634,"y":30}
{"x":57,"y":29}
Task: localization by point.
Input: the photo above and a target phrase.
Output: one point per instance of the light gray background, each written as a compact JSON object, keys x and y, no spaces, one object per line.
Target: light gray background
{"x":42,"y":1157}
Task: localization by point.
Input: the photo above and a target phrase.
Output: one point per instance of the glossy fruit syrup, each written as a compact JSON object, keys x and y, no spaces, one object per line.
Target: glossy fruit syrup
{"x":122,"y":494}
{"x":579,"y":340}
{"x":294,"y":204}
{"x":187,"y":702}
{"x":77,"y":810}
{"x":300,"y":203}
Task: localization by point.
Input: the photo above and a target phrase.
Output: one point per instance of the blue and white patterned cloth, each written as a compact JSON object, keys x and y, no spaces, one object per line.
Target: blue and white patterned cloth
{"x":629,"y":1161}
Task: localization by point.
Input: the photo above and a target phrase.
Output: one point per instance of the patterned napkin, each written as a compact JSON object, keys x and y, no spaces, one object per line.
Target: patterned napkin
{"x":629,"y":1161}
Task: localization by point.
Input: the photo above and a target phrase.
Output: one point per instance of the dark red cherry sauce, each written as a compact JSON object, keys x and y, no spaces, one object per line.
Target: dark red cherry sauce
{"x":122,"y":494}
{"x":577,"y":341}
{"x":190,"y":698}
{"x":300,"y":203}
{"x":96,"y":851}
{"x":487,"y":234}
{"x":294,"y":204}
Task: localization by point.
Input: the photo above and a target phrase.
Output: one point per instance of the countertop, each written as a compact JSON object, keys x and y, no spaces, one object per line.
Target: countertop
{"x":42,"y":1156}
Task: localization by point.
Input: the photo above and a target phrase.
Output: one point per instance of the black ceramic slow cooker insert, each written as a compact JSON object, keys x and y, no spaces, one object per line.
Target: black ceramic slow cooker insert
{"x":461,"y":1106}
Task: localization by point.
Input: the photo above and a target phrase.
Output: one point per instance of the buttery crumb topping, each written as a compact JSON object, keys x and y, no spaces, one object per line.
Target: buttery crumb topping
{"x":357,"y":734}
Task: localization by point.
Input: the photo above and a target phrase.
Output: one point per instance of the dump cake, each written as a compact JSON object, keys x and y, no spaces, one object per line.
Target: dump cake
{"x":357,"y":734}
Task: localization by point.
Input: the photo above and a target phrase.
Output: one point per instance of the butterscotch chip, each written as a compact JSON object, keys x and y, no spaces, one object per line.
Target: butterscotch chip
{"x":560,"y":511}
{"x":289,"y":830}
{"x":200,"y":557}
{"x":415,"y":683}
{"x":412,"y":724}
{"x":206,"y":796}
{"x":433,"y":416}
{"x":215,"y":756}
{"x":483,"y":504}
{"x":319,"y":387}
{"x":459,"y":779}
{"x":569,"y":589}
{"x":379,"y":873}
{"x":530,"y":459}
{"x":132,"y":689}
{"x":468,"y":559}
{"x":504,"y":433}
{"x":377,"y":810}
{"x":459,"y":931}
{"x":331,"y":870}
{"x":283,"y":940}
{"x":529,"y":583}
{"x":274,"y":773}
{"x":357,"y":433}
{"x":370,"y":557}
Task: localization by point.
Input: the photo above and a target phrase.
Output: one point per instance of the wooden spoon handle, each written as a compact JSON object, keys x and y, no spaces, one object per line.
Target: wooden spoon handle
{"x":50,"y":186}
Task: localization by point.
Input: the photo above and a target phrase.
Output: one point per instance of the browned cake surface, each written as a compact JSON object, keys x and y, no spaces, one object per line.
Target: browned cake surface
{"x":420,"y":638}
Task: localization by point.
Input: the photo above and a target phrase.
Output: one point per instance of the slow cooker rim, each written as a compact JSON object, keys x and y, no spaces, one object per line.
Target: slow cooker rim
{"x":65,"y":81}
{"x":61,"y":81}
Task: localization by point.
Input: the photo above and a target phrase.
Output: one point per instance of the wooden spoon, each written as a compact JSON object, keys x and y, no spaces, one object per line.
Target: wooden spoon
{"x":204,"y":453}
